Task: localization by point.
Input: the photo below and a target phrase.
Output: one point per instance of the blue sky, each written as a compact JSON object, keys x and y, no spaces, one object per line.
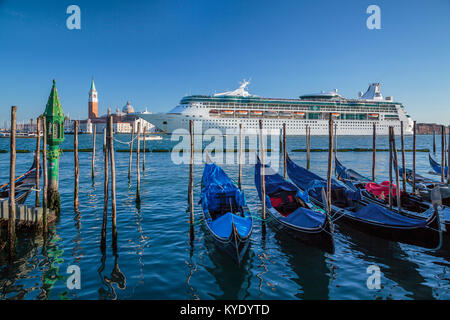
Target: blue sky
{"x":155,"y":52}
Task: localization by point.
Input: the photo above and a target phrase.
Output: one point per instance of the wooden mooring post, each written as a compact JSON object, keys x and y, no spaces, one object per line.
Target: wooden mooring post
{"x":143,"y":149}
{"x":330,"y":160}
{"x":390,"y":168}
{"x":131,"y":152}
{"x":414,"y":157}
{"x":37,"y":201}
{"x":374,"y":150}
{"x":434,"y":141}
{"x":94,"y":132}
{"x":448,"y":156}
{"x":105,"y":190}
{"x":113,"y":178}
{"x":263,"y":170}
{"x":12,"y":186}
{"x":77,"y":165}
{"x":442,"y":154}
{"x":397,"y":172}
{"x":138,"y":165}
{"x":191,"y":174}
{"x":284,"y":150}
{"x":240,"y":157}
{"x":403,"y":157}
{"x":308,"y":146}
{"x":45,"y":173}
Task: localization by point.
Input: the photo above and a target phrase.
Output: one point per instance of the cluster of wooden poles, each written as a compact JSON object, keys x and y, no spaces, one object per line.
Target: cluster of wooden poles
{"x":11,"y":228}
{"x":332,"y":149}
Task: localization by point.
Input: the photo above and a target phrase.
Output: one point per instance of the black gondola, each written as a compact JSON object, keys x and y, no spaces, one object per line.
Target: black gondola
{"x":291,"y":211}
{"x":24,"y":185}
{"x":371,"y":218}
{"x":411,"y":205}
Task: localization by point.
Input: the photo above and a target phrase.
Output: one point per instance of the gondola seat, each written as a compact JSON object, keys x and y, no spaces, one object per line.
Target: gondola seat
{"x":284,"y":202}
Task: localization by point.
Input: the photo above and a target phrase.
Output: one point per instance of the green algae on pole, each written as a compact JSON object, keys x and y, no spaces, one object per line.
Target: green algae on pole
{"x":54,"y":118}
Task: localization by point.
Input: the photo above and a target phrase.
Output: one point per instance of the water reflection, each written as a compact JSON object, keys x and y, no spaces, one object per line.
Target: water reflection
{"x":394,"y":262}
{"x":227,"y":274}
{"x":309,"y":264}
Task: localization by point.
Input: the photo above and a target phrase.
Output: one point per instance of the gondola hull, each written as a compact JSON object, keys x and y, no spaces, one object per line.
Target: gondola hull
{"x":235,"y":246}
{"x":426,"y":233}
{"x":321,"y":238}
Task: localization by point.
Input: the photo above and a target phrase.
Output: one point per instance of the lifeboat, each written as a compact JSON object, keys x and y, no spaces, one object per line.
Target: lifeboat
{"x":335,"y":114}
{"x":299,"y":113}
{"x":227,"y":112}
{"x":256,"y":112}
{"x":373,"y":115}
{"x":214,"y":112}
{"x":270,"y":113}
{"x":285,"y":113}
{"x":242,"y":112}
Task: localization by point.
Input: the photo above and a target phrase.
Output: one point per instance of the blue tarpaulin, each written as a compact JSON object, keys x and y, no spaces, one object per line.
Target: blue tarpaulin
{"x":219,"y":191}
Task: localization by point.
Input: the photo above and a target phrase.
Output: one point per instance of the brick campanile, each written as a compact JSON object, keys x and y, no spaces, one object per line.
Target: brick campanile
{"x":93,"y":102}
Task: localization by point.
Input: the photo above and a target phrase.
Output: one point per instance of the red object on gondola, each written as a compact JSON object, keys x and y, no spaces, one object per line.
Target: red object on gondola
{"x":381,"y":190}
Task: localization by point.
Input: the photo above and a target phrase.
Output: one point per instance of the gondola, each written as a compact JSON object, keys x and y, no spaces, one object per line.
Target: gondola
{"x":24,"y":184}
{"x":290,"y":210}
{"x":436,"y":166}
{"x":411,"y":204}
{"x":348,"y":207}
{"x":225,"y":211}
{"x":425,"y":185}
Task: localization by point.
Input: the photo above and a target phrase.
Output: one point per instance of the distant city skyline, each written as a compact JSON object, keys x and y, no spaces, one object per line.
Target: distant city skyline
{"x":153,"y":53}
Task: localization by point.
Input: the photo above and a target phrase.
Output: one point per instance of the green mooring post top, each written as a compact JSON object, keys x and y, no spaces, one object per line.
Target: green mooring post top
{"x":54,"y":118}
{"x":53,"y":110}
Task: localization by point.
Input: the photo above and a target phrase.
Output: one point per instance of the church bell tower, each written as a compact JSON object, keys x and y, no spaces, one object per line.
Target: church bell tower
{"x":93,"y":102}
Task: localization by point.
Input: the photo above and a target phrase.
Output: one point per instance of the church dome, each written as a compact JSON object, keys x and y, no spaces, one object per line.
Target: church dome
{"x":128,"y":108}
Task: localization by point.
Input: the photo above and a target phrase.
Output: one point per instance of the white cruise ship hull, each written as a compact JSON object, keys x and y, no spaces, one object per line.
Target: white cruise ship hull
{"x":169,"y":123}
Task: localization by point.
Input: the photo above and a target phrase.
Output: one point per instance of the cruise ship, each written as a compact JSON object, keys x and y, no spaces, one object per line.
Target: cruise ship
{"x":227,"y":110}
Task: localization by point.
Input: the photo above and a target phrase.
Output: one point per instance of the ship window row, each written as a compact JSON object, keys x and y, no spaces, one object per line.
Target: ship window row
{"x":302,"y":108}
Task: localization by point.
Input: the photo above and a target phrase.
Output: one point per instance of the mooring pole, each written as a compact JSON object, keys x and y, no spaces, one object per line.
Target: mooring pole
{"x":94,"y":132}
{"x":77,"y":166}
{"x":263,"y":170}
{"x":104,"y":135}
{"x":12,"y":186}
{"x":37,"y":202}
{"x":284,"y":150}
{"x":45,"y":182}
{"x":403,"y":157}
{"x":434,"y":141}
{"x":240,"y":157}
{"x":397,"y":173}
{"x":113,"y":178}
{"x":330,"y":161}
{"x":131,"y":152}
{"x":414,"y":157}
{"x":448,"y":156}
{"x":55,"y":127}
{"x":374,"y":150}
{"x":390,"y":168}
{"x":442,"y":154}
{"x":143,"y":149}
{"x":308,"y":146}
{"x":138,"y":169}
{"x":191,"y":174}
{"x":105,"y":189}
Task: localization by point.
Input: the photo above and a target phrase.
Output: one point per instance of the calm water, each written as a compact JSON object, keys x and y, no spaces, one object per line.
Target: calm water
{"x":157,"y":260}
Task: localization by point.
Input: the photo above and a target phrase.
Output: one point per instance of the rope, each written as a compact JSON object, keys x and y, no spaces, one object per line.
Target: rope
{"x":127,"y":143}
